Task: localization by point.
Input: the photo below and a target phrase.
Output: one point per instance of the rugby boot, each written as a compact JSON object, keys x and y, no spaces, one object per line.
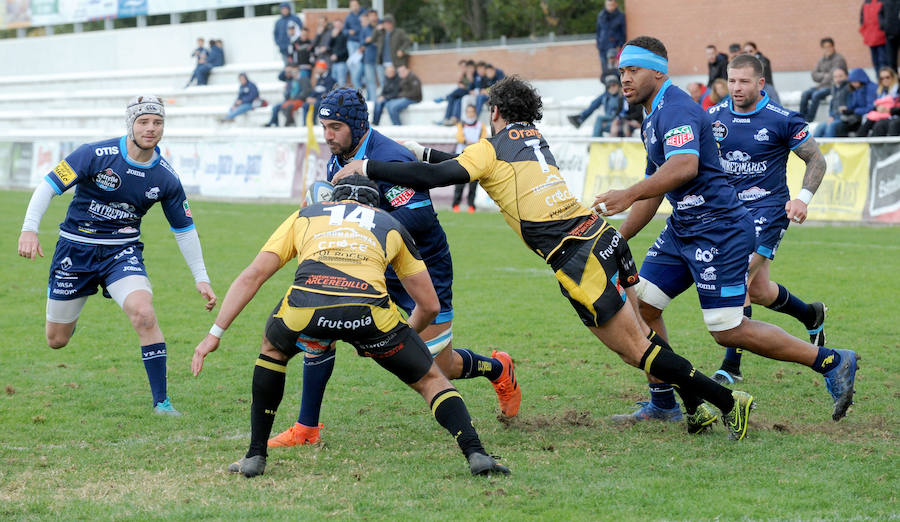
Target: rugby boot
{"x":701,"y":420}
{"x":649,"y":411}
{"x":817,"y":332}
{"x":736,"y":420}
{"x":727,"y":378}
{"x":296,"y":435}
{"x":508,"y":392}
{"x":481,"y":464}
{"x":165,"y":408}
{"x":839,"y":381}
{"x":249,"y":466}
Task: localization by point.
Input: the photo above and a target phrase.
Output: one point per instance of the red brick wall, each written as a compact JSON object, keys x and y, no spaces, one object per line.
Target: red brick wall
{"x":787,"y":31}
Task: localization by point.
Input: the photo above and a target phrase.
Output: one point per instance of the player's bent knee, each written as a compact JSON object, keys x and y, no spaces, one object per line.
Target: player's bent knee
{"x":57,"y":341}
{"x":722,"y":319}
{"x":652,"y":295}
{"x":143,"y":317}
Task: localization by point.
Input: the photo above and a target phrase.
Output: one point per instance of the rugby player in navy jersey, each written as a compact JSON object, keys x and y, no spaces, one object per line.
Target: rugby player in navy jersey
{"x":116,"y":182}
{"x":591,"y":261}
{"x":344,"y":118}
{"x":707,"y":240}
{"x":343,"y":248}
{"x":755,"y":137}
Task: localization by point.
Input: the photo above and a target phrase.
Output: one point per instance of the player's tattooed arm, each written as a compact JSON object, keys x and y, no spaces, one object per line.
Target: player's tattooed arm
{"x":815,"y":164}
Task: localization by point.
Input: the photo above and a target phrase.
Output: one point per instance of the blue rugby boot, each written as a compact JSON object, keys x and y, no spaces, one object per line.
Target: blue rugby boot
{"x":649,"y":411}
{"x":165,"y":408}
{"x":839,"y":381}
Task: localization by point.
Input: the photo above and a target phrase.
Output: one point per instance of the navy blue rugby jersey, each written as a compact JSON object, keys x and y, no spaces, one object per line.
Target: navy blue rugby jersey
{"x":754,"y":148}
{"x":678,"y":125}
{"x":412,"y":208}
{"x":112,"y":193}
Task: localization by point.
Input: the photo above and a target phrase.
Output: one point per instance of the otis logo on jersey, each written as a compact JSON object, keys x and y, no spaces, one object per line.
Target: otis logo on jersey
{"x":107,"y":180}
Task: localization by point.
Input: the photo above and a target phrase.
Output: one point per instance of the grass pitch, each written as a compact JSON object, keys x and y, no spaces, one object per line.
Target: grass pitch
{"x":79,"y":440}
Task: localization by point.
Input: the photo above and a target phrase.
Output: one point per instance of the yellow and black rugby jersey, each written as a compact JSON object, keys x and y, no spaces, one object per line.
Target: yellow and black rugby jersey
{"x":518,"y":171}
{"x":343,"y":248}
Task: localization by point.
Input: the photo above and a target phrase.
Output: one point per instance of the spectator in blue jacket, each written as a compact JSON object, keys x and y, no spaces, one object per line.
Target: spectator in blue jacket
{"x":247,"y":95}
{"x":610,"y":33}
{"x":200,"y":54}
{"x":492,"y":75}
{"x":282,"y":40}
{"x":215,"y":57}
{"x":612,"y":102}
{"x":337,"y":49}
{"x":860,"y":100}
{"x":324,"y":84}
{"x":353,"y":27}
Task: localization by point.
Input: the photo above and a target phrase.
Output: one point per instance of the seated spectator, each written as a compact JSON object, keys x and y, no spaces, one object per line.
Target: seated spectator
{"x":627,"y":121}
{"x":698,"y":92}
{"x":717,"y":94}
{"x":612,"y":62}
{"x":410,"y":93}
{"x":199,"y":55}
{"x":301,"y":54}
{"x":468,"y":131}
{"x":390,"y":90}
{"x":822,"y":75}
{"x":492,"y":75}
{"x":886,"y":102}
{"x":476,"y":85}
{"x":324,"y":84}
{"x":215,"y":58}
{"x":717,"y":63}
{"x":248,"y":94}
{"x":454,"y":99}
{"x":296,"y":90}
{"x":337,"y":49}
{"x":860,"y":100}
{"x":612,"y":102}
{"x":840,"y":88}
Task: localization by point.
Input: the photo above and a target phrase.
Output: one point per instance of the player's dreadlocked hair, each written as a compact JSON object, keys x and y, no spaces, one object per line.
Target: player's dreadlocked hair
{"x":357,"y":188}
{"x":653,"y":45}
{"x":516,"y":100}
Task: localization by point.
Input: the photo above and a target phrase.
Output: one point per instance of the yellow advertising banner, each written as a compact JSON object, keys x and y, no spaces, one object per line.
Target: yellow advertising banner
{"x":842,"y":194}
{"x":616,"y":165}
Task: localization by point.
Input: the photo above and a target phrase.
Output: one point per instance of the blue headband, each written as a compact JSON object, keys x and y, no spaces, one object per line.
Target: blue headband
{"x":634,"y":56}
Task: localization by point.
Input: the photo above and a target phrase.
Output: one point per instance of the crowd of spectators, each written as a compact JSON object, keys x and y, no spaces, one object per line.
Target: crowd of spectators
{"x":472,"y":88}
{"x":206,"y":59}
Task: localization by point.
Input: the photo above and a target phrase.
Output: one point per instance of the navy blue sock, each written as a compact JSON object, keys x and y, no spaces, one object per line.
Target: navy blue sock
{"x":732,"y":361}
{"x":316,"y":372}
{"x":826,"y":360}
{"x":154,"y":356}
{"x":662,"y":395}
{"x":475,"y":365}
{"x":788,"y":303}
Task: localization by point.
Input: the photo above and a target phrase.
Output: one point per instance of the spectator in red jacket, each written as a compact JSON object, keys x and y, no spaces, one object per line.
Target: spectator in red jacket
{"x":873,"y":35}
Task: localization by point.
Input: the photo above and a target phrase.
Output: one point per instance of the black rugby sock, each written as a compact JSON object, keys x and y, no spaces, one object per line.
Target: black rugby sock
{"x":671,"y":367}
{"x":268,"y":389}
{"x":450,"y":411}
{"x":690,"y":399}
{"x":788,"y":303}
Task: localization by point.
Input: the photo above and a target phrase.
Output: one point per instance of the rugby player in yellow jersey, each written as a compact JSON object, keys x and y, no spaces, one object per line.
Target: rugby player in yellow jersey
{"x":591,"y":260}
{"x":343,"y":248}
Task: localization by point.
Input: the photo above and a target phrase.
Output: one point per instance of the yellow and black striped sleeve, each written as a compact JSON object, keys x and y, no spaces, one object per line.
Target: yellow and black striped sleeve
{"x":283,"y":242}
{"x":402,"y":254}
{"x":478,"y":159}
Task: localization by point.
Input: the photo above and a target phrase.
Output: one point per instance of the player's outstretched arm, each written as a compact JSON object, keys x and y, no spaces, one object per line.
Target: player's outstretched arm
{"x":239,"y":294}
{"x":809,"y":152}
{"x":421,"y":289}
{"x":427,"y":154}
{"x":419,"y":176}
{"x":189,"y":244}
{"x":641,"y":214}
